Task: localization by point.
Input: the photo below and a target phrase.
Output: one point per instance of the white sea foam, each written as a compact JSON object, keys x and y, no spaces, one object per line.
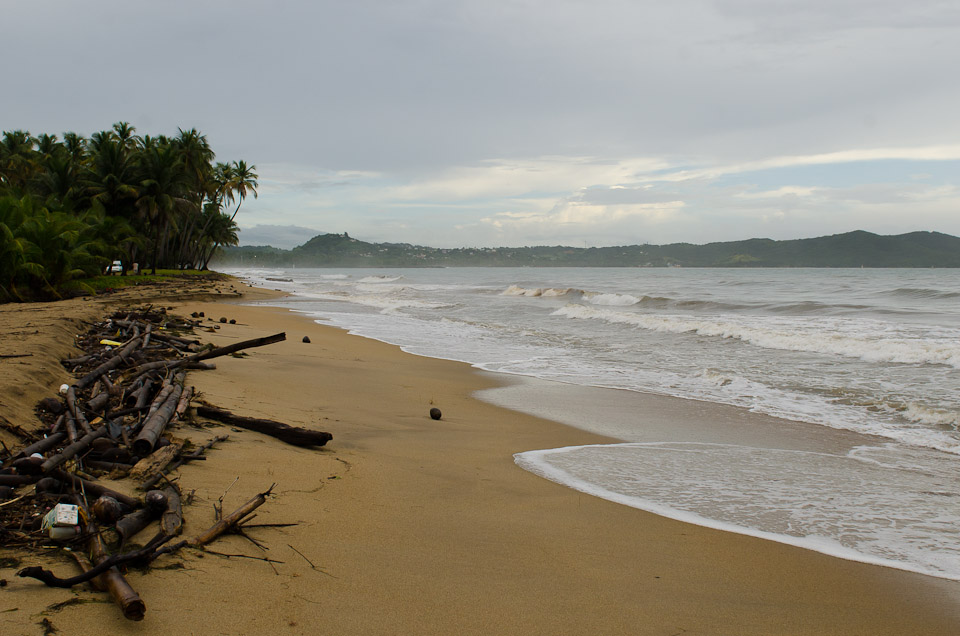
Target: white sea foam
{"x":926,"y":415}
{"x":385,"y":303}
{"x":379,"y":279}
{"x":613,"y":300}
{"x":819,"y":337}
{"x":865,"y":511}
{"x":536,"y":292}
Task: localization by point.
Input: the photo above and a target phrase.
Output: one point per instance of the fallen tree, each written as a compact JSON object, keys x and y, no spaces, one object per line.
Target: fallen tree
{"x":293,"y":435}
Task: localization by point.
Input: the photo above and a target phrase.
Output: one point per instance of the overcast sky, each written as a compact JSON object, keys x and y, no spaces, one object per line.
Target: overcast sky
{"x":597,"y":122}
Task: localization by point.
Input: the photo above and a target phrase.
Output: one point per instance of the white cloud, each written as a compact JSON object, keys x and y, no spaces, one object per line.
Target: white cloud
{"x":922,"y":153}
{"x":518,"y":177}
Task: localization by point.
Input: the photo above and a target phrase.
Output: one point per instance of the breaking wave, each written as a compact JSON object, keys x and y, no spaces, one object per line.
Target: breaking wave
{"x":786,"y":336}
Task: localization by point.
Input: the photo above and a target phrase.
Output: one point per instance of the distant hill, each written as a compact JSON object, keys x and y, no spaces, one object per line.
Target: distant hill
{"x":853,"y":249}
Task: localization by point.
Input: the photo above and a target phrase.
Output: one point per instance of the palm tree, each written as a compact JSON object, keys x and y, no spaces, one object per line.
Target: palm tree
{"x":162,"y":191}
{"x":124,"y":133}
{"x":220,"y":230}
{"x":60,"y":178}
{"x":57,"y":248}
{"x":17,"y":157}
{"x":243,"y":180}
{"x":111,"y":177}
{"x":197,"y":157}
{"x":14,"y":247}
{"x":76,"y":145}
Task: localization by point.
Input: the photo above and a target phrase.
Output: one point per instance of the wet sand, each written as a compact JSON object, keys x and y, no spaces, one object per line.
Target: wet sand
{"x":406,"y":525}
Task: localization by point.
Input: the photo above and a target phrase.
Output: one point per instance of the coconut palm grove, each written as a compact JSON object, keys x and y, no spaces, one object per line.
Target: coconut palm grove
{"x":71,"y":207}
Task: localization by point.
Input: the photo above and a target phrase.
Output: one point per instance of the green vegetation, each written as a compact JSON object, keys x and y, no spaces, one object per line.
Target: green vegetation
{"x":71,"y":207}
{"x":98,"y":284}
{"x":853,"y":249}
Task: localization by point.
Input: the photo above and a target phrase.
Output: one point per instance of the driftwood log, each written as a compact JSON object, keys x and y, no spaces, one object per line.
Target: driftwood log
{"x":70,"y":451}
{"x":130,"y":603}
{"x":131,"y":524}
{"x":293,"y":435}
{"x":171,"y":522}
{"x":155,"y":423}
{"x":42,"y":446}
{"x":187,"y":457}
{"x":93,"y":489}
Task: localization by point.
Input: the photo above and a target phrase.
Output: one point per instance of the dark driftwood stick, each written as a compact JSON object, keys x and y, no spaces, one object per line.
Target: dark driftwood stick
{"x":109,"y":365}
{"x":108,"y":466}
{"x":71,"y":427}
{"x":239,"y":346}
{"x":42,"y":446}
{"x":48,"y":577}
{"x":97,"y":403}
{"x":77,"y":447}
{"x":18,"y":480}
{"x":190,"y":361}
{"x":58,"y":425}
{"x":175,"y":339}
{"x":293,"y":435}
{"x":94,"y":489}
{"x":77,"y":413}
{"x":143,"y":394}
{"x":80,"y":360}
{"x":112,"y":415}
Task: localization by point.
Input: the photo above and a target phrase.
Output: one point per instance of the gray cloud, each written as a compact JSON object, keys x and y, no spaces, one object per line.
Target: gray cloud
{"x":409,"y":88}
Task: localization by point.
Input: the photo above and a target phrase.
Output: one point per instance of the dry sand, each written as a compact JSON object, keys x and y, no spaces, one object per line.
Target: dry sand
{"x":406,"y":525}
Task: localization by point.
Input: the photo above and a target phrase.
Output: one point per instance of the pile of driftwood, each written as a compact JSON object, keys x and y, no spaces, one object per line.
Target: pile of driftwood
{"x":129,"y":390}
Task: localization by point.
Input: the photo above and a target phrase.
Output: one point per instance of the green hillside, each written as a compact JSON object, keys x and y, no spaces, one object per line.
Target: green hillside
{"x":853,"y":249}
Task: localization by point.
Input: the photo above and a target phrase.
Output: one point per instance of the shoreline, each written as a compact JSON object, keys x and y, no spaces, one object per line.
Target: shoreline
{"x":418,"y":526}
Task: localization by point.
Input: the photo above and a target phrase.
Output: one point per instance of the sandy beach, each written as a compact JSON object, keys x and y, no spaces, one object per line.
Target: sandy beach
{"x":407,"y":525}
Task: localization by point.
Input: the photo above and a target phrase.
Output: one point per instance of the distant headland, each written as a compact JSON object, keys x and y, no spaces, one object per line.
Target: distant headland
{"x":852,"y":249}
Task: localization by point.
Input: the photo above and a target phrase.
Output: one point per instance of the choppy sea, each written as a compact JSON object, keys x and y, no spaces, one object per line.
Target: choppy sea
{"x":857,"y":369}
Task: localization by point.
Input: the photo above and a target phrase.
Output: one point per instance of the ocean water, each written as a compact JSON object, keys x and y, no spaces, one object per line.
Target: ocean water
{"x":853,"y":376}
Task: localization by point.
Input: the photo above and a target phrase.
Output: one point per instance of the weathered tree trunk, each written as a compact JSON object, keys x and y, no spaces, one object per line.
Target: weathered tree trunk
{"x":154,"y":463}
{"x":153,"y":427}
{"x":293,"y":435}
